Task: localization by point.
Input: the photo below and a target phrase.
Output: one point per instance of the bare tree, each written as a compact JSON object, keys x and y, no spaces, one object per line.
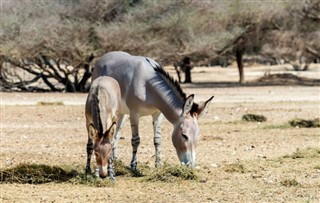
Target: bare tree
{"x":55,"y":41}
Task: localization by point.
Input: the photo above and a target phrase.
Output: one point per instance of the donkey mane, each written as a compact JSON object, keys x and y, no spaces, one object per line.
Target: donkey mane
{"x":165,"y":75}
{"x":96,"y":108}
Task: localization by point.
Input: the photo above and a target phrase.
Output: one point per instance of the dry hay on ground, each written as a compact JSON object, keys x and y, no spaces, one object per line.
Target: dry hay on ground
{"x":286,"y":79}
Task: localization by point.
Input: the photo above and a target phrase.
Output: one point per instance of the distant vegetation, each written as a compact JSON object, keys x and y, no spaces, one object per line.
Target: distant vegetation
{"x":56,"y":41}
{"x":253,"y":118}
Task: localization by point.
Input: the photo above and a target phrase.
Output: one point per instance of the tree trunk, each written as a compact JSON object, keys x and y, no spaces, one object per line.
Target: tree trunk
{"x":239,"y":54}
{"x":177,"y":68}
{"x":188,"y":74}
{"x":186,"y":65}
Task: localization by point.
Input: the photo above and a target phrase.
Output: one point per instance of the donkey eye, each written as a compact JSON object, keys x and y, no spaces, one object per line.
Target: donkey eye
{"x":185,"y":136}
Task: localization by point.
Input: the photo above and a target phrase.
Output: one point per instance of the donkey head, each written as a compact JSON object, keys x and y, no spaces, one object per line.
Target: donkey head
{"x":103,"y":149}
{"x":186,"y":132}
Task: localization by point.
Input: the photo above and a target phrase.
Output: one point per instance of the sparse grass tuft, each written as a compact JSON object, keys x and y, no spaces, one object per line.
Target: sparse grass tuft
{"x":280,"y":126}
{"x":93,"y":181}
{"x":303,"y":123}
{"x":123,"y":170}
{"x":306,"y":153}
{"x":254,"y":118}
{"x":236,"y":167}
{"x":120,"y":169}
{"x":171,"y":173}
{"x":42,"y":103}
{"x":40,"y":173}
{"x":290,"y":183}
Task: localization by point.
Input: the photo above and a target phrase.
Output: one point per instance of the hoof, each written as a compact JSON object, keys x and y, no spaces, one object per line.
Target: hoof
{"x":112,"y":178}
{"x":134,"y":167}
{"x":88,"y":171}
{"x":158,"y":164}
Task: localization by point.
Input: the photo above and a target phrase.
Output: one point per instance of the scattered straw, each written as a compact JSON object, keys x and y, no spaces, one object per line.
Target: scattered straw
{"x":254,"y":118}
{"x":232,"y":168}
{"x":42,"y":103}
{"x":36,"y":174}
{"x":303,"y":123}
{"x":40,"y":173}
{"x":290,"y":183}
{"x":123,"y":170}
{"x":171,"y":173}
{"x":305,"y":153}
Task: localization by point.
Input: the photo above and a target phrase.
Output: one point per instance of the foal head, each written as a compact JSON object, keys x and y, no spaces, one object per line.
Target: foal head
{"x":186,"y":132}
{"x":102,"y":149}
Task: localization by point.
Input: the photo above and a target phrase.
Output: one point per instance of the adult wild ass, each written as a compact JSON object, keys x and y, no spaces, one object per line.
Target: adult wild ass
{"x":146,"y":89}
{"x":102,"y":110}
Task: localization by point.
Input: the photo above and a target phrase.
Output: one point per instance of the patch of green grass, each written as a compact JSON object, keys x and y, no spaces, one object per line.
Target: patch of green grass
{"x":42,"y":103}
{"x":235,"y":167}
{"x":171,"y":173}
{"x":254,"y":118}
{"x":290,"y":183}
{"x":317,"y":167}
{"x":303,"y":123}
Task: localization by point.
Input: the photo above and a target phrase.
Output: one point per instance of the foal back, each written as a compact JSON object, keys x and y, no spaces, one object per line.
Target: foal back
{"x":103,"y":103}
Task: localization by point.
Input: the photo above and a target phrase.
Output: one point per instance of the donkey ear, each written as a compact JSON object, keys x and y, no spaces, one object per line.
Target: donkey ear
{"x":109,"y":133}
{"x":92,"y":132}
{"x":203,"y":107}
{"x":187,"y":106}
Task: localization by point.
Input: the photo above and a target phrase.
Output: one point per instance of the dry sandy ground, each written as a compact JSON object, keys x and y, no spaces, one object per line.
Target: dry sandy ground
{"x":55,"y":135}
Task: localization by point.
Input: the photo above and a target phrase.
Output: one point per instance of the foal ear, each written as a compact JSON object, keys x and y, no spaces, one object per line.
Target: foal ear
{"x":110,"y":132}
{"x":187,"y":106}
{"x":203,"y":107}
{"x":92,"y":132}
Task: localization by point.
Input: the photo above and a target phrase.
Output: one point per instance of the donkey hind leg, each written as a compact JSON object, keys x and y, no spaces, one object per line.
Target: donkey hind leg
{"x":89,"y":153}
{"x":135,"y":140}
{"x":121,"y":121}
{"x":157,"y":120}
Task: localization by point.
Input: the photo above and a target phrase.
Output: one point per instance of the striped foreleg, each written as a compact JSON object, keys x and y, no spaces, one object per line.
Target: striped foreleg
{"x":135,"y":141}
{"x":89,"y":153}
{"x":110,"y":170}
{"x":121,"y":121}
{"x":157,"y":120}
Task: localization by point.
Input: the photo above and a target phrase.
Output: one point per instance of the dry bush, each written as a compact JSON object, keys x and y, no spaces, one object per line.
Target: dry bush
{"x":254,"y":118}
{"x":44,"y":35}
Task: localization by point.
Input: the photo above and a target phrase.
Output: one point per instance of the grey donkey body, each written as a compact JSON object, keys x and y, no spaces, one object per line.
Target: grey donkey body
{"x":101,"y":111}
{"x":146,"y":89}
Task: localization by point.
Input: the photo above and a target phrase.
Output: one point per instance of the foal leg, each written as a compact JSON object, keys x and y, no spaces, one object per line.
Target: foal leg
{"x":91,"y":132}
{"x":157,"y":120}
{"x":89,"y":153}
{"x":121,"y":121}
{"x":135,"y":140}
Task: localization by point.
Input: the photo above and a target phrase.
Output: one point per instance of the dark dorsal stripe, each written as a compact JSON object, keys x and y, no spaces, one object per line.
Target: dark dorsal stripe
{"x":171,"y":80}
{"x":97,"y":109}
